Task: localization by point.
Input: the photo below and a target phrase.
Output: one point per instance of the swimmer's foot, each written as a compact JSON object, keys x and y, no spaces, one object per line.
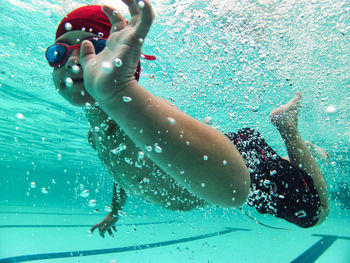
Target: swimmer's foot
{"x":285,"y":117}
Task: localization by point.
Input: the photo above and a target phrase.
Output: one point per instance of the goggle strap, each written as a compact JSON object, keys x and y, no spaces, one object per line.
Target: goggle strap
{"x":148,"y":57}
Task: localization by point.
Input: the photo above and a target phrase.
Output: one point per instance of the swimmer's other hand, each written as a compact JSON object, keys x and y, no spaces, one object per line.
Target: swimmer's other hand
{"x":107,"y":224}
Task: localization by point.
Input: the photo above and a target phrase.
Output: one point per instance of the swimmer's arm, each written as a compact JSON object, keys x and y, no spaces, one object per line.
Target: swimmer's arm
{"x":118,"y":199}
{"x":196,"y":155}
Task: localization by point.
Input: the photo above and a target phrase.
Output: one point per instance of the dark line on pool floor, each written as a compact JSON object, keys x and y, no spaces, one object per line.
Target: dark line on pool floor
{"x":72,"y":226}
{"x":314,"y":252}
{"x":48,"y":213}
{"x":116,"y":250}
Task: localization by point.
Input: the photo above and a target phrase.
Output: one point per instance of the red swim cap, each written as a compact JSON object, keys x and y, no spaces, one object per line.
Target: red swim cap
{"x":91,"y":18}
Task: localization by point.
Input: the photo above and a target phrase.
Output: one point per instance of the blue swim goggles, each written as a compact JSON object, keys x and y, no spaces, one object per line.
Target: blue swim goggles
{"x":58,"y":54}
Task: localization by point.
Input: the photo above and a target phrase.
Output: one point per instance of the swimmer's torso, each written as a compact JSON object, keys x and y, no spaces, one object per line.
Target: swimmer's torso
{"x":135,"y":172}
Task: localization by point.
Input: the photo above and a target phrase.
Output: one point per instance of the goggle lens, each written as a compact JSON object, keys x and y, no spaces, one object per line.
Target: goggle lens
{"x":57,"y":54}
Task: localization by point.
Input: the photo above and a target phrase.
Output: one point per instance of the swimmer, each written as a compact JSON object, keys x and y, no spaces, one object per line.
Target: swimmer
{"x":154,"y":150}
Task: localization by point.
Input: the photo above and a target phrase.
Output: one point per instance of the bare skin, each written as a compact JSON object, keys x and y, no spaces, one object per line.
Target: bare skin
{"x":150,"y":147}
{"x":175,"y":174}
{"x":285,"y":119}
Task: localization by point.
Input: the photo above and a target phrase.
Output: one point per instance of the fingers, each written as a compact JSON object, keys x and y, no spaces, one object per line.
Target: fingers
{"x":87,"y":52}
{"x":102,"y":229}
{"x":143,"y":24}
{"x":116,"y":18}
{"x":93,"y":228}
{"x":142,"y":16}
{"x":133,"y":9}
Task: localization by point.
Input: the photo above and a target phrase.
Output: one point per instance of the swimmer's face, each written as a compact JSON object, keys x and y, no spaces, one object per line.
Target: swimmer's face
{"x":74,"y":93}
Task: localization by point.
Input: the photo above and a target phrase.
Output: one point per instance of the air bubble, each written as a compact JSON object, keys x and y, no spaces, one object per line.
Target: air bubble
{"x":108,"y":209}
{"x":100,"y":34}
{"x":141,"y":155}
{"x":158,"y":149}
{"x":145,"y":180}
{"x":331,"y":109}
{"x":171,"y":120}
{"x":92,"y":203}
{"x":207,"y":120}
{"x":44,"y":190}
{"x":33,"y":185}
{"x":75,"y":69}
{"x":202,"y":185}
{"x":127,"y":99}
{"x":82,"y":93}
{"x":141,"y":40}
{"x":85,"y":193}
{"x":119,"y":149}
{"x":205,"y":158}
{"x":107,"y":67}
{"x":148,"y":148}
{"x":141,"y":4}
{"x":118,"y":62}
{"x":224,"y":162}
{"x":68,"y":26}
{"x":68,"y":82}
{"x":20,"y":116}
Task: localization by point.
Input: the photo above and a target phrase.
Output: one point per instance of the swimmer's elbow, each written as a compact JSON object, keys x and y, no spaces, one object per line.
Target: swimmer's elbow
{"x":236,"y":197}
{"x":238,"y":201}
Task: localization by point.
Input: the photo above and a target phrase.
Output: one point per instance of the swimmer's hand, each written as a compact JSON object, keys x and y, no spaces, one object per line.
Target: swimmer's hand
{"x":107,"y":224}
{"x":114,"y":67}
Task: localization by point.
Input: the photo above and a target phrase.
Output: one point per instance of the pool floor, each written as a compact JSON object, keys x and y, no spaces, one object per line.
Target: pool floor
{"x":37,"y":235}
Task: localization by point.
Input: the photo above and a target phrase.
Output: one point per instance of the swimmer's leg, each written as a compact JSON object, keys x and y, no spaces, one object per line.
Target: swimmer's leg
{"x":285,"y":119}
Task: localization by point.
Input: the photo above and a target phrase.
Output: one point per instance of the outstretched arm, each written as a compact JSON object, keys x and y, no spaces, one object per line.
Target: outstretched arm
{"x":108,"y":223}
{"x":199,"y":157}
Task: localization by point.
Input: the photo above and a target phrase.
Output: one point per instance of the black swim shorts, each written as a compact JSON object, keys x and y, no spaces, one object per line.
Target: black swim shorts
{"x":277,"y":187}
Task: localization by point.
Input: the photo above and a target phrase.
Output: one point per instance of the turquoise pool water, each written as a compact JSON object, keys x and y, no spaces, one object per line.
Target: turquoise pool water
{"x":233,"y":61}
